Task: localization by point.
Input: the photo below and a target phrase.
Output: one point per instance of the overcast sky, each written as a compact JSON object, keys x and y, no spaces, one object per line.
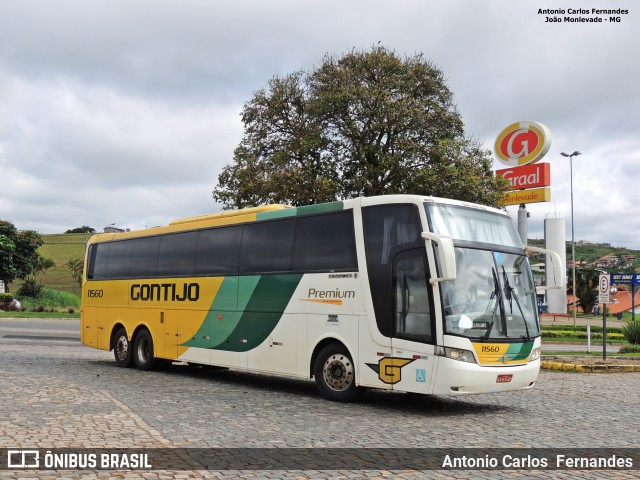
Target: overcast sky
{"x":124,"y":112}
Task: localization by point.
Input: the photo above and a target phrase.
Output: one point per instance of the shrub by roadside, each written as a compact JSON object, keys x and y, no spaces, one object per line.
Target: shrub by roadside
{"x":50,"y":300}
{"x":629,"y":349}
{"x":568,"y":334}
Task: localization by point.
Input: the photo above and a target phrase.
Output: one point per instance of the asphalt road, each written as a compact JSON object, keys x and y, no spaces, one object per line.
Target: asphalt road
{"x":69,"y":329}
{"x":40,"y":329}
{"x":56,"y":393}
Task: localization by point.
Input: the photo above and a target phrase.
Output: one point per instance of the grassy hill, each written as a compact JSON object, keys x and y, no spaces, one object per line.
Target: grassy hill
{"x":60,"y":248}
{"x":589,"y":253}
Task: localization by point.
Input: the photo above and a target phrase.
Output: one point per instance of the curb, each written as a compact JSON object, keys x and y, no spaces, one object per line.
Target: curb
{"x":593,"y":368}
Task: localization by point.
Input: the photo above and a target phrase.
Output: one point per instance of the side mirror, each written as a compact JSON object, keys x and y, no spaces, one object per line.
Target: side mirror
{"x":446,"y":255}
{"x":556,"y":265}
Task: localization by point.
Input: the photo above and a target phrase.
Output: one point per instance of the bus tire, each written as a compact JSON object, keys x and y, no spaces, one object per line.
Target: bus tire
{"x":335,"y":374}
{"x":143,"y":351}
{"x":122,"y":348}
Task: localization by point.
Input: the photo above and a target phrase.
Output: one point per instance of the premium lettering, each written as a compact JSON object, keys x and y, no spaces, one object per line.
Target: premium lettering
{"x":165,"y":292}
{"x":313,"y":293}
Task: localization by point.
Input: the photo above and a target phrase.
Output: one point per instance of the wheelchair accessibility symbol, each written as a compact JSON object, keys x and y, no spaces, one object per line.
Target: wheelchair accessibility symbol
{"x":421,"y":375}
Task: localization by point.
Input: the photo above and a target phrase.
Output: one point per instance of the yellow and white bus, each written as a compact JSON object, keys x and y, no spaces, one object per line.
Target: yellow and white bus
{"x":401,"y":292}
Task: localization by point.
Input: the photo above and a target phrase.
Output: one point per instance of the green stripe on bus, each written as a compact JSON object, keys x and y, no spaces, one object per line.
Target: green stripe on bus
{"x":226,"y":311}
{"x":262,"y":313}
{"x":305,"y":210}
{"x":261,"y":301}
{"x":519,"y":351}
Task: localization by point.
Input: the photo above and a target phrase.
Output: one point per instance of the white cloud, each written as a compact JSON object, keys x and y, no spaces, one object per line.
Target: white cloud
{"x":121,"y":111}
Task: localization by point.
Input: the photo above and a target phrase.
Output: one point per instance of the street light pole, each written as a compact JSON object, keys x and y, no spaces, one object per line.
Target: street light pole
{"x":573,"y":238}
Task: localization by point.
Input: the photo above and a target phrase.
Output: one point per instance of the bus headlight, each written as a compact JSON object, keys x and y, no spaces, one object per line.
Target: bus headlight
{"x":456,"y":354}
{"x":535,"y":354}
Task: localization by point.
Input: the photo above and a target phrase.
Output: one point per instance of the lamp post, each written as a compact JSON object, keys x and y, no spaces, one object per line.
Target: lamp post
{"x":573,"y":239}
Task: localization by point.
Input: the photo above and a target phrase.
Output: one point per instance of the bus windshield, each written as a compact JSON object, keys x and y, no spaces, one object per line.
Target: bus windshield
{"x":493,"y":296}
{"x":473,"y":225}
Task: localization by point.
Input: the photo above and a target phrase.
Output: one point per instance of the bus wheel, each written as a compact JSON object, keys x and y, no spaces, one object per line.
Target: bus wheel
{"x":335,"y":374}
{"x":143,"y":351}
{"x":122,"y":349}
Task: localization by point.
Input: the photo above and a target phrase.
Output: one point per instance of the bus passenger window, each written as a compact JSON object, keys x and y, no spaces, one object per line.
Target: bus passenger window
{"x":267,"y":247}
{"x":412,"y":313}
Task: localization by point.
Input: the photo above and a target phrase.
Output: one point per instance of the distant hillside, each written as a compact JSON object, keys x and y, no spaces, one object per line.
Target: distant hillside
{"x":60,"y":248}
{"x":590,"y":253}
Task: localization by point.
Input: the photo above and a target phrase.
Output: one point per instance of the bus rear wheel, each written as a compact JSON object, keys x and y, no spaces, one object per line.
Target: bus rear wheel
{"x":143,"y":351}
{"x":335,"y":374}
{"x":122,"y":350}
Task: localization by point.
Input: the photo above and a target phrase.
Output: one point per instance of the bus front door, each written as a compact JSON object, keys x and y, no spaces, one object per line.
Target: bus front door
{"x":413,"y":338}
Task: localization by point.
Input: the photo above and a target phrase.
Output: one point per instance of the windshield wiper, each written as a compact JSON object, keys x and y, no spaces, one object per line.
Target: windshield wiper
{"x":511,"y":294}
{"x":497,"y":294}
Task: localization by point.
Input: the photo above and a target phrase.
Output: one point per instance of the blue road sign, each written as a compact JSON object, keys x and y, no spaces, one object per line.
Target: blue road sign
{"x":625,"y":279}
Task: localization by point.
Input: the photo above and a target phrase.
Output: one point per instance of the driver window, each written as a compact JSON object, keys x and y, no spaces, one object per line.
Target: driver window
{"x":412,"y":312}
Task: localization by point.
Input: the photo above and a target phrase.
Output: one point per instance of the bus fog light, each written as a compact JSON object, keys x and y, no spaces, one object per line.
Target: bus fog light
{"x":460,"y":355}
{"x":535,"y":354}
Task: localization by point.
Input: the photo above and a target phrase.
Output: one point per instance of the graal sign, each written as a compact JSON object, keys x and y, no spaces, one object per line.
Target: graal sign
{"x":522,"y":143}
{"x":528,"y":176}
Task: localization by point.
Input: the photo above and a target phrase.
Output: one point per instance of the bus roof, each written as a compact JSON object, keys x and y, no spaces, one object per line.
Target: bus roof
{"x":252,"y":214}
{"x":229,"y":214}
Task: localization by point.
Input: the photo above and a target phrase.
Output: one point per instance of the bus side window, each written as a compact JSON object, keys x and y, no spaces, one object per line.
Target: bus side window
{"x":145,"y":257}
{"x":325,"y":243}
{"x":267,"y":247}
{"x":119,"y":259}
{"x":218,"y":251}
{"x":98,"y":256}
{"x":413,"y":318}
{"x":386,"y":228}
{"x":176,"y":255}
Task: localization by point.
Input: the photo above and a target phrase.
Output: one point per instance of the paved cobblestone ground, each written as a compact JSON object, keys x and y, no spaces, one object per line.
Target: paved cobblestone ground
{"x":61,"y":394}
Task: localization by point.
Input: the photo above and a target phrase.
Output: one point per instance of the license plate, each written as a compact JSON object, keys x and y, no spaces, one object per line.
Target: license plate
{"x":504,"y":378}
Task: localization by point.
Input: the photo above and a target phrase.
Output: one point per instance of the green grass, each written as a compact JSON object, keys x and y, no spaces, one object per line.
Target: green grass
{"x":60,"y":248}
{"x":585,"y":354}
{"x":49,"y":302}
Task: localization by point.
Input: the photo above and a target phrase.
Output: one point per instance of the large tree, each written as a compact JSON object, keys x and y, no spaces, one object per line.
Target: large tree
{"x":366,"y":123}
{"x":18,"y":252}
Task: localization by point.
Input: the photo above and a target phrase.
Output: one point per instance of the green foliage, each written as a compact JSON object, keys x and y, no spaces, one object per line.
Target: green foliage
{"x":76,"y":266}
{"x":60,"y":248}
{"x":578,"y":328}
{"x":560,"y":335}
{"x":18,"y":251}
{"x":6,"y":297}
{"x":587,"y":287}
{"x":6,"y":301}
{"x":30,"y":288}
{"x":629,"y":349}
{"x":631,"y":332}
{"x":51,"y":300}
{"x":367,"y":123}
{"x":7,"y":304}
{"x":83,"y":229}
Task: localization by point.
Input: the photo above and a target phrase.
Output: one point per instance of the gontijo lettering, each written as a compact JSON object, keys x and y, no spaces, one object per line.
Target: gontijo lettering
{"x":165,"y":292}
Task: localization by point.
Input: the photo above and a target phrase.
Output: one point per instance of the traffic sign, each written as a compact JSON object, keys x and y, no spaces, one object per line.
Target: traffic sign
{"x":604,"y":288}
